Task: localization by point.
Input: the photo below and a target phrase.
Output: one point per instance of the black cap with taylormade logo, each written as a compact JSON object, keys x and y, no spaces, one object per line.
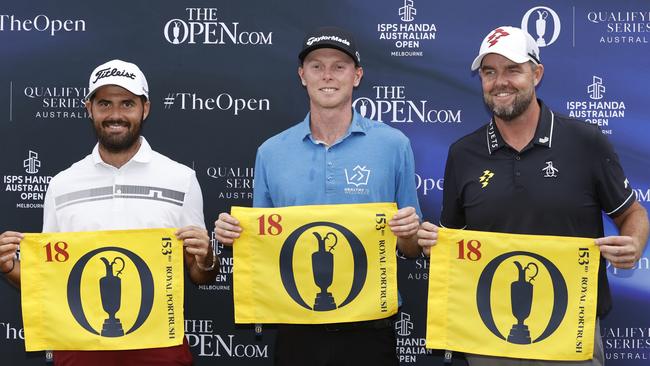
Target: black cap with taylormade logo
{"x":330,"y":37}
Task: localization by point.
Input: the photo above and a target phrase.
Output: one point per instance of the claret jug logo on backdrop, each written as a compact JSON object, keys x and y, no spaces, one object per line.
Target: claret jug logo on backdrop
{"x":326,"y":243}
{"x":202,"y":26}
{"x":522,"y":272}
{"x":537,"y":22}
{"x":390,"y":104}
{"x":121,"y":267}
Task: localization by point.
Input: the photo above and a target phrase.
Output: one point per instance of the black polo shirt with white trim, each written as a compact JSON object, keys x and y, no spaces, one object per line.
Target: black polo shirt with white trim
{"x":559,"y":184}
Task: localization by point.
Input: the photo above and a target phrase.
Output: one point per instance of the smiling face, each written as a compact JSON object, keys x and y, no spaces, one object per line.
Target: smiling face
{"x":508,"y":87}
{"x":329,"y":76}
{"x":117,"y":116}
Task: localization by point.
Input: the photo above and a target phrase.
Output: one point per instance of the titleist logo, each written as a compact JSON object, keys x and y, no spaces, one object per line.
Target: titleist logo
{"x":104,"y":73}
{"x":313,"y":40}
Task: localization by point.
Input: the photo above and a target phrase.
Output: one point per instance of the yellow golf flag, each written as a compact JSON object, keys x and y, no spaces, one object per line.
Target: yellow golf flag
{"x":521,"y":296}
{"x":103,"y":290}
{"x":315,"y":264}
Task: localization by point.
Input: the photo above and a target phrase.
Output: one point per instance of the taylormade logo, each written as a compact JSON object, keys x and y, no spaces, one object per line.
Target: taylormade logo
{"x":313,"y":40}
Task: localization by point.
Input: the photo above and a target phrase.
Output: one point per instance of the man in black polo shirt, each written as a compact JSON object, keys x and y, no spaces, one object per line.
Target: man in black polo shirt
{"x":532,"y":171}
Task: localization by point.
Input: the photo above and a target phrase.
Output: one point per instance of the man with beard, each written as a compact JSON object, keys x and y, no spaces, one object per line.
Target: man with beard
{"x":532,"y":171}
{"x":123,"y":184}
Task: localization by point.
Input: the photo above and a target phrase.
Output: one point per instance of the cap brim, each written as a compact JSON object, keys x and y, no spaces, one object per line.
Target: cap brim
{"x":307,"y":50}
{"x":90,"y":94}
{"x":477,"y":62}
{"x":514,"y":58}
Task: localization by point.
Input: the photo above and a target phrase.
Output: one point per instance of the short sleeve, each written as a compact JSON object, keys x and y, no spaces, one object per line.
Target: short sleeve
{"x":453,"y":213}
{"x":261,"y":192}
{"x":193,"y":205}
{"x":612,"y":186}
{"x":406,"y":193}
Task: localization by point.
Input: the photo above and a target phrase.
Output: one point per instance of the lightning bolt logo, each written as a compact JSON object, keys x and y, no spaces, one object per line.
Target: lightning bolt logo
{"x":485,"y":178}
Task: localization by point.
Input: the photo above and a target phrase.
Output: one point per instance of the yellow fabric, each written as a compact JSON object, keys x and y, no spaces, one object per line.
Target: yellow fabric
{"x":63,"y":276}
{"x":473,"y":278}
{"x":274,"y":277}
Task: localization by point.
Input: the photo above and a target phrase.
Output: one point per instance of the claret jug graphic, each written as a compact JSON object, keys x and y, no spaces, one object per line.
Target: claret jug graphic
{"x":110,"y":289}
{"x":521,"y":297}
{"x":314,"y":264}
{"x":322,"y":262}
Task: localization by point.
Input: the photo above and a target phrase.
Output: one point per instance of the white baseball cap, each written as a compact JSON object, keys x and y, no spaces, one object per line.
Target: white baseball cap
{"x":510,"y":42}
{"x":120,"y":73}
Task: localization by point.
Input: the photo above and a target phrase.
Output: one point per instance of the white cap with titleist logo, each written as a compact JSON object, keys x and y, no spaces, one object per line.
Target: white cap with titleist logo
{"x":120,"y":73}
{"x":510,"y":42}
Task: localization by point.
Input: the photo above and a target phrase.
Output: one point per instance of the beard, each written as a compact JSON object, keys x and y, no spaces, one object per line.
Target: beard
{"x":118,"y":143}
{"x":514,"y":110}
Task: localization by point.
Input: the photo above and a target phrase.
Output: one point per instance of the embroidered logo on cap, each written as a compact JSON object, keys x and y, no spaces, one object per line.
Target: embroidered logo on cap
{"x":108,"y":72}
{"x":313,"y":40}
{"x":496,"y":35}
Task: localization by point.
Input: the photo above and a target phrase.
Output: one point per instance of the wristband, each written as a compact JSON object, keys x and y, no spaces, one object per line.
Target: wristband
{"x":206,"y":269}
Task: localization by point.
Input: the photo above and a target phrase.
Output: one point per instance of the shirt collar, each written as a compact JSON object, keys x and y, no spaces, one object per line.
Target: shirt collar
{"x":543,"y":133}
{"x":358,"y":125}
{"x":142,"y":156}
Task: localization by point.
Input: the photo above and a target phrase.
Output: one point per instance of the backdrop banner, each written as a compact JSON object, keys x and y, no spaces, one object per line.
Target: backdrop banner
{"x":223,"y":78}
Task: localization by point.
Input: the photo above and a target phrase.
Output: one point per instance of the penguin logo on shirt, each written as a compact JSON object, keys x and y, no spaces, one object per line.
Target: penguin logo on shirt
{"x":549,"y":170}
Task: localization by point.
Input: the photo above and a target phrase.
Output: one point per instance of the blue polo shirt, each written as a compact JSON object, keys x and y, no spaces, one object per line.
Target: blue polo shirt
{"x":372,"y":162}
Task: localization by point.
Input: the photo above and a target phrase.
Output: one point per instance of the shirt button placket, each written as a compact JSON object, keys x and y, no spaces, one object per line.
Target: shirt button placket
{"x":329,"y":169}
{"x":119,"y":203}
{"x":517,"y":171}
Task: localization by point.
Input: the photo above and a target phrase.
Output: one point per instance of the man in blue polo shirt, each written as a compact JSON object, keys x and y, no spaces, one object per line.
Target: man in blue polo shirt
{"x":335,"y":156}
{"x":532,"y":171}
